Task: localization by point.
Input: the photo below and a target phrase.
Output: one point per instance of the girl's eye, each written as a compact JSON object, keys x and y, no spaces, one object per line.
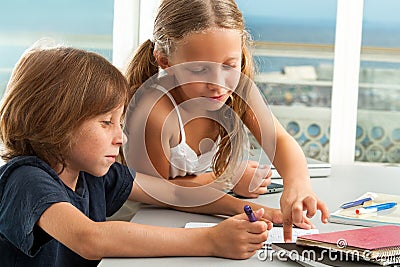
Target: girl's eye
{"x":197,"y":70}
{"x":228,"y":67}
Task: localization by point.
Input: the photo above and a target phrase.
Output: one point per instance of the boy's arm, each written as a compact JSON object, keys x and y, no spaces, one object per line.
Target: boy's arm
{"x":234,"y":238}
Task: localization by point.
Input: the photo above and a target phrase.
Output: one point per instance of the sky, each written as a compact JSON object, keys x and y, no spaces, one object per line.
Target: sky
{"x":72,"y":15}
{"x":68,"y":16}
{"x":294,"y":9}
{"x":377,"y":11}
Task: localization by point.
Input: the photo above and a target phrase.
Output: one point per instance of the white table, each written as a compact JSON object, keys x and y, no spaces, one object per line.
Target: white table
{"x":345,"y":183}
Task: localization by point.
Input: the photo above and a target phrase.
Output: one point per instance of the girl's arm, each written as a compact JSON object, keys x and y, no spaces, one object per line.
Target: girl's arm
{"x":151,"y":190}
{"x":289,"y":160}
{"x":234,"y":238}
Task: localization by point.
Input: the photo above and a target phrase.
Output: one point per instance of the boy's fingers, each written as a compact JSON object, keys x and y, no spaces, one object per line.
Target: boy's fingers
{"x":258,"y":213}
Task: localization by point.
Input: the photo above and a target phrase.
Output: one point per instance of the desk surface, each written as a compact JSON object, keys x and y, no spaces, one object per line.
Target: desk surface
{"x":344,"y":184}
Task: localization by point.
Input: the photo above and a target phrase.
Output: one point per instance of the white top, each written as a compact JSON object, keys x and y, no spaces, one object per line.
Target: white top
{"x":183,"y":159}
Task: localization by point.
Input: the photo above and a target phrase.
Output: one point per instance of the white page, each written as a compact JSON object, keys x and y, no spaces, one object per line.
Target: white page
{"x":275,"y":234}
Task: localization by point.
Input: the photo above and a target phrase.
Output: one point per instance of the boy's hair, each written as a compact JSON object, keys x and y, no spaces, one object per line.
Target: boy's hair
{"x":177,"y":19}
{"x":52,"y":90}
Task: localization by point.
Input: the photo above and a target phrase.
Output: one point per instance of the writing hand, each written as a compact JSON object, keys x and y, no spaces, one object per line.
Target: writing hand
{"x":238,"y":238}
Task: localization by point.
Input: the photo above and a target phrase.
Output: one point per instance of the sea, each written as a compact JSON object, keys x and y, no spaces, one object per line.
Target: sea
{"x":317,"y":32}
{"x":19,"y":28}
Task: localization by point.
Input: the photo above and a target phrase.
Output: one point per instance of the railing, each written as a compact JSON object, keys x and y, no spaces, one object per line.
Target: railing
{"x":304,"y":110}
{"x":302,"y":104}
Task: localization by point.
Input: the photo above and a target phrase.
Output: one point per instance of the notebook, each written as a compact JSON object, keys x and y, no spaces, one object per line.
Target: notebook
{"x":274,"y":235}
{"x":316,"y":168}
{"x":316,"y":257}
{"x":384,"y":217}
{"x":378,"y":244}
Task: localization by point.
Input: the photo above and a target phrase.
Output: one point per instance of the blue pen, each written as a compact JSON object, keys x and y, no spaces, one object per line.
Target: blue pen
{"x":355,"y":203}
{"x":250,"y":214}
{"x":376,"y":208}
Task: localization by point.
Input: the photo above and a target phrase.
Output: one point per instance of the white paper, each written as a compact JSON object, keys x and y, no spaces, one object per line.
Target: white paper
{"x":275,"y":235}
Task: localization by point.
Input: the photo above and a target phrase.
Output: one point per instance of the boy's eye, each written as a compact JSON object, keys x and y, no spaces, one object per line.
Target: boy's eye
{"x":107,"y":123}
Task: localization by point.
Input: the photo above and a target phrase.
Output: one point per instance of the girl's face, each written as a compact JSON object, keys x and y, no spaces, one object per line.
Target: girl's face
{"x":207,"y":66}
{"x":96,"y":144}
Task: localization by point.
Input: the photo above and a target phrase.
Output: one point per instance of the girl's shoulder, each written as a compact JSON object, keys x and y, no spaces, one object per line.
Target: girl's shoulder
{"x":156,"y":105}
{"x":153,"y":109}
{"x":151,"y":99}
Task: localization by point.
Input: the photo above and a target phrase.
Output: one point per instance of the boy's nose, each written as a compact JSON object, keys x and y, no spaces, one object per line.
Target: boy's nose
{"x":120,"y":139}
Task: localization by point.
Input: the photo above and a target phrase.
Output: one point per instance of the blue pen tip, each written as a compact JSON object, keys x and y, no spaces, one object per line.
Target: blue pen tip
{"x":247,"y":209}
{"x":249,"y":213}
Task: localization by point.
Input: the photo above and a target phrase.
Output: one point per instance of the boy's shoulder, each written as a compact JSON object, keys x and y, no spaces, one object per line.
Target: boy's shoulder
{"x":118,"y":170}
{"x":25,"y":171}
{"x":24,"y":162}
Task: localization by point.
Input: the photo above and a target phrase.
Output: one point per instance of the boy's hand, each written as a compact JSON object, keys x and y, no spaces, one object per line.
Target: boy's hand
{"x":237,"y":238}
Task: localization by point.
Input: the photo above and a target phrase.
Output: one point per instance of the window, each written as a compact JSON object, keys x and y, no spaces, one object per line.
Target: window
{"x":378,"y":127}
{"x":294,"y":51}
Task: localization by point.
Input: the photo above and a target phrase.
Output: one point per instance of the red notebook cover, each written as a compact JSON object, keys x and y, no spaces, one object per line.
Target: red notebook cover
{"x":370,"y":238}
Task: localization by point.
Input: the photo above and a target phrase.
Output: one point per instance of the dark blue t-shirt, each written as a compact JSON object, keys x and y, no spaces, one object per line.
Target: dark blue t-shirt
{"x":28,"y":186}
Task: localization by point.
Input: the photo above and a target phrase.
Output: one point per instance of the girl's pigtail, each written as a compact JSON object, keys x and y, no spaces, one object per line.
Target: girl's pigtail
{"x":141,"y":67}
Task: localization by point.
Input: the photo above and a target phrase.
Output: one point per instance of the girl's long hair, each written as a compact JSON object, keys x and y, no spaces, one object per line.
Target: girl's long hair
{"x":177,"y":19}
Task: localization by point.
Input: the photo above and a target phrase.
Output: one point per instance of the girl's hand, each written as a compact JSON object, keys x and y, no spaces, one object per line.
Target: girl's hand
{"x":237,"y":238}
{"x":294,"y":201}
{"x":254,"y":180}
{"x":276,"y":216}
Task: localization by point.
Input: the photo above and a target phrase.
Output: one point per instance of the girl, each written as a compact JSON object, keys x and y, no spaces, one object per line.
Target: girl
{"x":200,"y":47}
{"x":60,"y":127}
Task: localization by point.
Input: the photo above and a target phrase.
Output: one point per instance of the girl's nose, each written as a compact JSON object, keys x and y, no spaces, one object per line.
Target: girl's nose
{"x":216,"y":80}
{"x":215,"y":86}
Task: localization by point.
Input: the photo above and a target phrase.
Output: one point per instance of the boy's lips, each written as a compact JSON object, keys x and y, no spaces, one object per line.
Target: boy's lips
{"x":113,"y":157}
{"x":219,"y":98}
